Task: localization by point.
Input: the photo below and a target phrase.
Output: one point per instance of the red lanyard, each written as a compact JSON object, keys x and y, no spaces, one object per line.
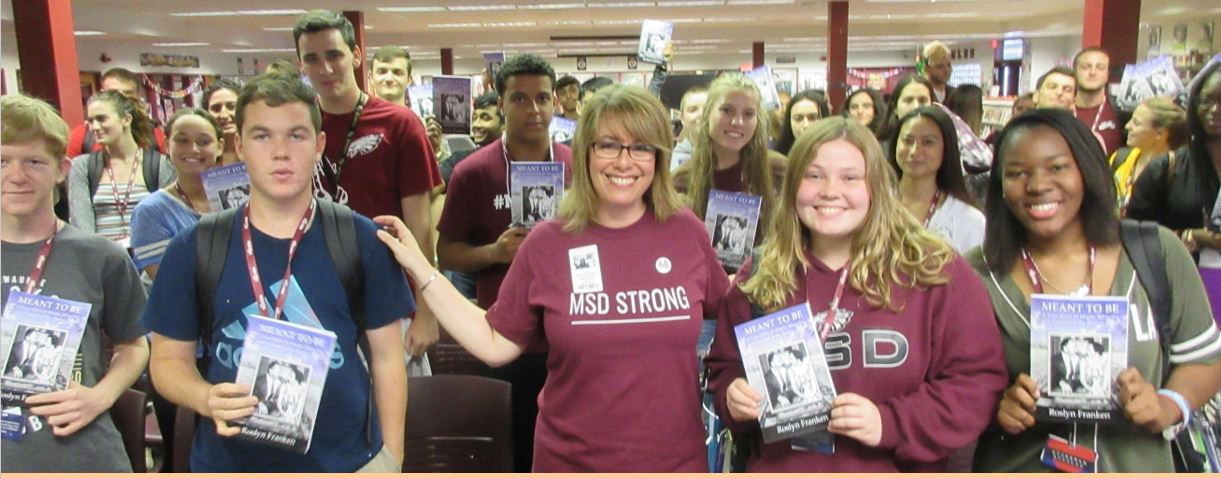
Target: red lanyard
{"x":932,"y":208}
{"x":40,"y":263}
{"x":834,"y":306}
{"x":256,"y":283}
{"x":185,"y":198}
{"x":1032,"y":271}
{"x":131,"y":183}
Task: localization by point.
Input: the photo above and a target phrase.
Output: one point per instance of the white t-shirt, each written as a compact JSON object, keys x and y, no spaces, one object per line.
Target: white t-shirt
{"x":960,"y":223}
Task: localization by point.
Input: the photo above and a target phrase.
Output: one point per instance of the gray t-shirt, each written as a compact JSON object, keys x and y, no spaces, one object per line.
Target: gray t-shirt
{"x":85,"y":268}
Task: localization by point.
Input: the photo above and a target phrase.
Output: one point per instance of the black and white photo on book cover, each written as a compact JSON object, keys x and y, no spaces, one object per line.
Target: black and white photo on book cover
{"x":285,"y":365}
{"x":1078,"y":348}
{"x":452,"y":96}
{"x":39,"y":339}
{"x":535,"y":190}
{"x":421,"y":100}
{"x":226,"y":187}
{"x":654,"y":36}
{"x":784,"y":362}
{"x":732,"y":219}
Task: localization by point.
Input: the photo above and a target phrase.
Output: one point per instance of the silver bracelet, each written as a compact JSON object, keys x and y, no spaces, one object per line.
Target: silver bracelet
{"x":431,"y":278}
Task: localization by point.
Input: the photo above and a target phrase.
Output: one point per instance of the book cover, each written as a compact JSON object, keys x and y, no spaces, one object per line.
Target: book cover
{"x":783,"y":358}
{"x":1078,"y":348}
{"x":39,"y":337}
{"x":452,"y":94}
{"x":654,"y":35}
{"x":562,"y":129}
{"x":226,"y":187}
{"x":536,"y":188}
{"x":732,"y":219}
{"x":285,"y":365}
{"x":492,"y":62}
{"x":421,"y":100}
{"x":762,"y":76}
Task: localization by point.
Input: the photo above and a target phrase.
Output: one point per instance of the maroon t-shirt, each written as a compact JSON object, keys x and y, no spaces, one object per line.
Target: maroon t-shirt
{"x":729,"y":179}
{"x":934,"y":369}
{"x":1105,"y":125}
{"x":477,"y":207}
{"x":619,"y":311}
{"x":389,"y":158}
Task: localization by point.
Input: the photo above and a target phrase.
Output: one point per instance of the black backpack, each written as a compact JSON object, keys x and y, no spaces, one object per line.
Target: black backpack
{"x":151,"y":164}
{"x":339,"y":227}
{"x":1140,"y":241}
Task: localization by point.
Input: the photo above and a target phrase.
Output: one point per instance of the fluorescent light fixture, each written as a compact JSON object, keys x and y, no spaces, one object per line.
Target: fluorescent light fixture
{"x":410,"y":9}
{"x":567,"y":22}
{"x":760,"y":2}
{"x":686,"y":20}
{"x":480,"y":8}
{"x":616,"y":22}
{"x":222,"y":13}
{"x":277,"y":29}
{"x":623,"y":5}
{"x":235,"y":13}
{"x":454,"y":25}
{"x":89,"y":33}
{"x":729,"y":19}
{"x":182,"y":44}
{"x":553,"y":6}
{"x":509,"y":24}
{"x":259,"y":50}
{"x":693,"y":3}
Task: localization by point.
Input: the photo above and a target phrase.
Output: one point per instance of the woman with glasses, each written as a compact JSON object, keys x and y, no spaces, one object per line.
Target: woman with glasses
{"x":615,"y":290}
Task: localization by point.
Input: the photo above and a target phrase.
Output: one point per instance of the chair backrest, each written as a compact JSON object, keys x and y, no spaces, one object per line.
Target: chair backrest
{"x":128,"y":414}
{"x":448,"y":358}
{"x":458,"y":423}
{"x":184,"y":436}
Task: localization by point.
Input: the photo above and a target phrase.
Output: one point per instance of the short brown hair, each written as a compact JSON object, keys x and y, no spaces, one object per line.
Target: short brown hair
{"x":389,"y":53}
{"x":27,"y":119}
{"x":275,"y":90}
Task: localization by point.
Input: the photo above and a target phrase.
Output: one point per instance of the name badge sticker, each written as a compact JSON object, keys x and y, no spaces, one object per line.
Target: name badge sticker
{"x":12,"y":427}
{"x":1059,"y":454}
{"x":586,"y":269}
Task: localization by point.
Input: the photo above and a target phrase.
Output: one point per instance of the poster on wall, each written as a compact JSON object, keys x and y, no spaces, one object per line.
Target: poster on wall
{"x":162,"y":59}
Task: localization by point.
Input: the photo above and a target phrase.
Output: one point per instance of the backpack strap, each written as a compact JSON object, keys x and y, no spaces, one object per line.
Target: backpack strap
{"x":1120,"y":157}
{"x":339,"y":227}
{"x":95,"y":171}
{"x":152,"y":169}
{"x":1140,"y":240}
{"x":211,"y":249}
{"x":89,"y":143}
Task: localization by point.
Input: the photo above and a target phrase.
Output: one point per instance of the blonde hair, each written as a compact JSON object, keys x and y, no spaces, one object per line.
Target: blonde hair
{"x":696,"y":175}
{"x":641,"y":116}
{"x":27,"y":119}
{"x":936,"y":51}
{"x":889,"y":248}
{"x":1168,"y":116}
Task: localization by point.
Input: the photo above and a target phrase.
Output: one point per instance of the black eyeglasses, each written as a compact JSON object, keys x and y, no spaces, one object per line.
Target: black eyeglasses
{"x":611,"y":150}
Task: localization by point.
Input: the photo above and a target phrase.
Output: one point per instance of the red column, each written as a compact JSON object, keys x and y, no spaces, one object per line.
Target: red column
{"x":447,"y":61}
{"x":837,"y":53}
{"x":1113,"y":25}
{"x":46,"y":49}
{"x":358,"y":25}
{"x":756,"y":55}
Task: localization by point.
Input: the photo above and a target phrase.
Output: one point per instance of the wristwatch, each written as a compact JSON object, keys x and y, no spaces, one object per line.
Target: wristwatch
{"x":1173,"y":431}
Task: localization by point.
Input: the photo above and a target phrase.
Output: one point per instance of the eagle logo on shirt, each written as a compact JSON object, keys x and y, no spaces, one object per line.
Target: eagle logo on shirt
{"x":365,"y":145}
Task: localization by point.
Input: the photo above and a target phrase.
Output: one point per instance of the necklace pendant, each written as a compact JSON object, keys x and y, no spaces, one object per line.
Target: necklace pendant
{"x":1083,"y":291}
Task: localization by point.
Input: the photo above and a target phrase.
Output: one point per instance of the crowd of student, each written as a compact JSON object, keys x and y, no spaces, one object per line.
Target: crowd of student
{"x":882,"y":216}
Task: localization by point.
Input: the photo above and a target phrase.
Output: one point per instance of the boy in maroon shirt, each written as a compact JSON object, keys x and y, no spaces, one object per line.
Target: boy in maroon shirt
{"x":475,"y":236}
{"x":378,"y":160}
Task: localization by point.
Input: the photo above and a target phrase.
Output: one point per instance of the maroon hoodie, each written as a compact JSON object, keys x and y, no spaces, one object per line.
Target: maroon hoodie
{"x":934,"y":369}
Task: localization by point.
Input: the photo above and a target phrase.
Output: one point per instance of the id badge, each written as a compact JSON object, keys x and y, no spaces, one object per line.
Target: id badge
{"x":1059,"y":454}
{"x":12,"y":425}
{"x":817,"y":442}
{"x":586,"y":269}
